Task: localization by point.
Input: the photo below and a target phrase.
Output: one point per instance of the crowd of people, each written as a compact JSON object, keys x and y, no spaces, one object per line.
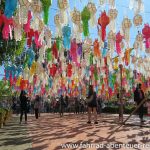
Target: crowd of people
{"x":92,"y":104}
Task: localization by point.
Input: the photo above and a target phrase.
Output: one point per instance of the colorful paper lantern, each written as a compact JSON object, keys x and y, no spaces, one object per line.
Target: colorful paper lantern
{"x":103,"y":21}
{"x":92,"y":8}
{"x":126,"y":25}
{"x":10,"y":6}
{"x":137,"y":20}
{"x":146,"y":35}
{"x":119,"y":39}
{"x":46,"y":4}
{"x":112,"y":16}
{"x":85,"y":16}
{"x":66,"y":36}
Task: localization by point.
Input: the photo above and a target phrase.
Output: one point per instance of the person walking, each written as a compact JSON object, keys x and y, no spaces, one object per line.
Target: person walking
{"x":37,"y":106}
{"x":76,"y":106}
{"x":92,"y":105}
{"x":23,"y":106}
{"x":61,"y":106}
{"x":138,"y":97}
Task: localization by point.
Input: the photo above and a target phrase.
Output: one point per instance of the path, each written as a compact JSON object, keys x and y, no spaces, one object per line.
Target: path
{"x":51,"y":132}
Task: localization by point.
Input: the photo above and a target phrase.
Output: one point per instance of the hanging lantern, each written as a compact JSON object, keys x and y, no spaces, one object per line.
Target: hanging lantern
{"x":139,"y":40}
{"x":85,"y":16}
{"x":137,"y":6}
{"x":63,"y":5}
{"x":10,"y":7}
{"x":36,"y":6}
{"x":7,"y":29}
{"x":146,"y":35}
{"x":103,"y":21}
{"x":137,"y":20}
{"x":27,"y":25}
{"x":111,"y":3}
{"x":136,"y":45}
{"x":92,"y":8}
{"x":76,"y":19}
{"x":66,"y":36}
{"x":57,"y":22}
{"x":41,"y":25}
{"x":26,"y":3}
{"x":119,"y":39}
{"x":76,"y":16}
{"x":102,"y":2}
{"x":111,"y":40}
{"x":48,"y":36}
{"x":17,"y":28}
{"x":46,"y":4}
{"x":126,"y":25}
{"x":96,"y":48}
{"x":112,"y":15}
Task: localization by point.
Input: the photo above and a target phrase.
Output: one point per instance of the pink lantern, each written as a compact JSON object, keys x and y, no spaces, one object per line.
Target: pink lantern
{"x":146,"y":35}
{"x":27,"y":25}
{"x":8,"y":22}
{"x":119,"y":39}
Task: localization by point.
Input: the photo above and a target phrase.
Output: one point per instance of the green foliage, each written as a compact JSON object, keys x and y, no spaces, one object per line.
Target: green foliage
{"x":5,"y":89}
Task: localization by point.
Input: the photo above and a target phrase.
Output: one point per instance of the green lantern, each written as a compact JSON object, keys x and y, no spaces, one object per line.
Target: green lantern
{"x":58,"y":43}
{"x":85,"y":16}
{"x":91,"y":59}
{"x":95,"y":74}
{"x":49,"y":54}
{"x":46,"y":4}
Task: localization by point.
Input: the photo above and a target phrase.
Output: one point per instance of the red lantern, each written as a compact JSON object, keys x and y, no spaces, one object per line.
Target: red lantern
{"x":29,"y":37}
{"x":27,"y":25}
{"x":53,"y":70}
{"x":8,"y":22}
{"x":119,"y":38}
{"x":103,"y":21}
{"x":55,"y":50}
{"x":1,"y":20}
{"x":146,"y":35}
{"x":69,"y":70}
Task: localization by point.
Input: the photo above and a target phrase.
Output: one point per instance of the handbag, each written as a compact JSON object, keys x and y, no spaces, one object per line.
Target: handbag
{"x":88,"y":100}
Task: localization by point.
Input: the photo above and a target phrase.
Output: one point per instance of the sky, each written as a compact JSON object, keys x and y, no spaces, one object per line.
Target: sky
{"x":123,"y":10}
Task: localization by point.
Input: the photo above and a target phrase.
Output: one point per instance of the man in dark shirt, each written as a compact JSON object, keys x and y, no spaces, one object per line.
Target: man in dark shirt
{"x":23,"y":106}
{"x":138,"y":97}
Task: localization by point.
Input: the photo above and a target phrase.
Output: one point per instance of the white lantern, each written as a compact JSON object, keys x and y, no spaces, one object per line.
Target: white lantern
{"x":63,"y":4}
{"x":112,"y":14}
{"x":137,"y":20}
{"x":36,"y":6}
{"x":26,"y":3}
{"x":57,"y":19}
{"x":126,"y":24}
